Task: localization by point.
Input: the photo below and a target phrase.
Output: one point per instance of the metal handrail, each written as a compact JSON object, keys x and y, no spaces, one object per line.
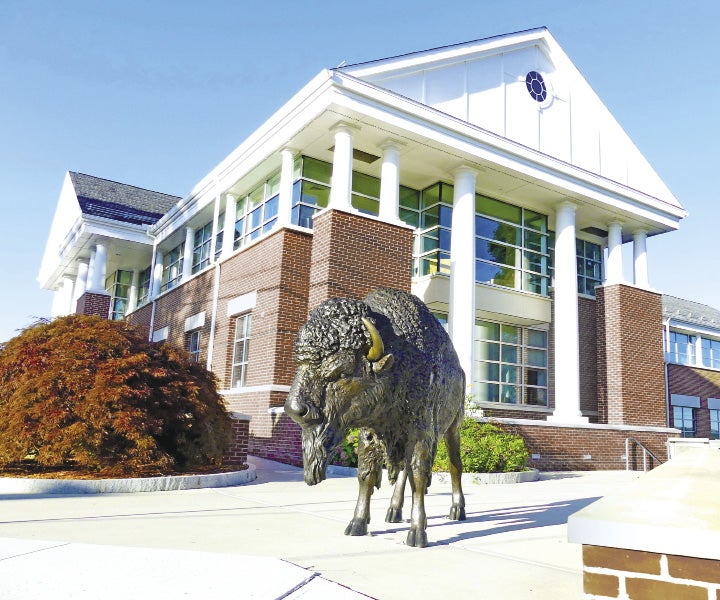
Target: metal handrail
{"x":645,"y":450}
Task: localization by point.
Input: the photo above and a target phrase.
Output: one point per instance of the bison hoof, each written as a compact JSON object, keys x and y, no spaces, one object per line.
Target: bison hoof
{"x":394,"y":515}
{"x":457,"y":513}
{"x":417,"y":538}
{"x":356,"y":527}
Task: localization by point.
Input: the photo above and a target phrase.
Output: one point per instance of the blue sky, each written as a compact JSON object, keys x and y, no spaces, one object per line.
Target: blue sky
{"x":154,"y":94}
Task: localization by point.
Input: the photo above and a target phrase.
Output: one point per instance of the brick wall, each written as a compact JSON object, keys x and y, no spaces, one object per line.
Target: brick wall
{"x":271,"y":435}
{"x":141,"y":317}
{"x":186,"y":300}
{"x":238,"y":451}
{"x":631,"y":373}
{"x":695,"y":381}
{"x":354,"y":254}
{"x":567,"y":448}
{"x":277,"y":270}
{"x":635,"y":575}
{"x":91,"y":303}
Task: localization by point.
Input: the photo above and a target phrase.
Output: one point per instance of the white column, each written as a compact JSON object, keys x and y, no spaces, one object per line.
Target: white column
{"x":461,"y":317}
{"x":614,"y":266}
{"x":341,"y":182}
{"x":157,"y":273}
{"x":390,"y":182}
{"x":640,"y":262}
{"x":565,"y":320}
{"x":215,"y":227}
{"x":188,"y":253}
{"x":229,"y":226}
{"x":96,"y":278}
{"x":80,"y":282}
{"x":286,"y":187}
{"x":133,"y":292}
{"x":62,"y":299}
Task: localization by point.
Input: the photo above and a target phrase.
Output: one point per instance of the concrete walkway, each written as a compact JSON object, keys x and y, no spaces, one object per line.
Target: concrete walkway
{"x":278,"y":538}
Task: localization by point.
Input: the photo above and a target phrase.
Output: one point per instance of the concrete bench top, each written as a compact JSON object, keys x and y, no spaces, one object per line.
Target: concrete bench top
{"x":673,"y":509}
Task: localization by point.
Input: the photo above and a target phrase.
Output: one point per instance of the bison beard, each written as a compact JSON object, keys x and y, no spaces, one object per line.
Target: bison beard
{"x":387,"y":366}
{"x":315,"y":454}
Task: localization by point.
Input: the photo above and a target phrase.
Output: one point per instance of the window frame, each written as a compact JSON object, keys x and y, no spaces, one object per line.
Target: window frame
{"x":194,"y":344}
{"x":500,"y":361}
{"x":241,"y":339}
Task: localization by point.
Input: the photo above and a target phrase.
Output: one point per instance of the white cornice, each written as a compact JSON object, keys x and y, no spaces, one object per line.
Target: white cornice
{"x":441,"y":127}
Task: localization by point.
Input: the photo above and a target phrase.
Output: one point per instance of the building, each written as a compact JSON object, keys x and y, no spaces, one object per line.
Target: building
{"x":692,"y":354}
{"x":487,"y":177}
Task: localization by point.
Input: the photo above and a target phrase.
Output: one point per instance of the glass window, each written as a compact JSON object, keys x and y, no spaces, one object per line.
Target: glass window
{"x":433,"y":236}
{"x":682,"y":348}
{"x":219,"y":235}
{"x":684,"y":420}
{"x":257,"y":212}
{"x":589,"y":266}
{"x":710,"y":353}
{"x":144,"y":286}
{"x":201,"y":247}
{"x":510,"y":364}
{"x":511,"y":246}
{"x":172,"y":267}
{"x":118,"y":286}
{"x":241,"y":349}
{"x":714,"y":424}
{"x":194,"y":345}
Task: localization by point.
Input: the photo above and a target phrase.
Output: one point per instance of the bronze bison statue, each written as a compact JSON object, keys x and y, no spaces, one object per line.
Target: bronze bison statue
{"x":386,"y":366}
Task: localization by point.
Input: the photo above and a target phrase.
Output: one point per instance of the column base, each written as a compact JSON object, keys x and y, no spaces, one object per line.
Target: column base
{"x":567,"y":418}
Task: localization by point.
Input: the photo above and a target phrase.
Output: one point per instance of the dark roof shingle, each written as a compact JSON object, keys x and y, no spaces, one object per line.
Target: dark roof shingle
{"x":119,"y":201}
{"x":690,"y":312}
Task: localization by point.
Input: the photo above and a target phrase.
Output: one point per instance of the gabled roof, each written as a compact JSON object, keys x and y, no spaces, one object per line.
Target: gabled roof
{"x":521,"y":87}
{"x":692,"y":313}
{"x":118,"y":201}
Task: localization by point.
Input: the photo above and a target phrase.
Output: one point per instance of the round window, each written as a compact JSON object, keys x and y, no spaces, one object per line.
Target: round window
{"x":536,"y":86}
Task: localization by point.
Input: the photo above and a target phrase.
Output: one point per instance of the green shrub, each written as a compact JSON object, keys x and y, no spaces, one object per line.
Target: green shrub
{"x":345,"y":455}
{"x":485,"y":448}
{"x":95,"y":394}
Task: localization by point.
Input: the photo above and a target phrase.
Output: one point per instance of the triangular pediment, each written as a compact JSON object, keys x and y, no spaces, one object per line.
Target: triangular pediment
{"x":522,"y":87}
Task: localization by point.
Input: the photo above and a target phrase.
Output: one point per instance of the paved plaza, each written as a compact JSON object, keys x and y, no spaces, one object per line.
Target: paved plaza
{"x":278,"y":538}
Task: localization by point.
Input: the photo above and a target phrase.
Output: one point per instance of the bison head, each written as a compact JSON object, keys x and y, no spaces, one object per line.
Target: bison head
{"x":340,"y":356}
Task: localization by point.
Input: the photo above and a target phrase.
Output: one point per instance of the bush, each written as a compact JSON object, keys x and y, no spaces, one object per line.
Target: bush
{"x":345,"y":455}
{"x":95,"y":394}
{"x":485,"y":448}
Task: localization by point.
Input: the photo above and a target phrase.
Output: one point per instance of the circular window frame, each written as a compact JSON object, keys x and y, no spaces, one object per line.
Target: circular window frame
{"x":533,"y":80}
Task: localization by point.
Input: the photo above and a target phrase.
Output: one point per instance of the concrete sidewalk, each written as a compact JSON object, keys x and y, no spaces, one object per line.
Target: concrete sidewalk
{"x":278,"y":538}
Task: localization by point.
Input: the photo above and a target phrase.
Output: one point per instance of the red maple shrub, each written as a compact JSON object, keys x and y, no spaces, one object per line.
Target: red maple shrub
{"x":95,"y":394}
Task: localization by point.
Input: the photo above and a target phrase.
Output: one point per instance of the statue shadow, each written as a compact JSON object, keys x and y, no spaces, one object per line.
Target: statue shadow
{"x":503,"y":520}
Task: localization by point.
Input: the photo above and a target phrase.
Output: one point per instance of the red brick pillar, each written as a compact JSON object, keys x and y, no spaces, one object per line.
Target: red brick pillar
{"x":238,"y":451}
{"x":631,"y":367}
{"x":93,"y":303}
{"x":353,"y":254}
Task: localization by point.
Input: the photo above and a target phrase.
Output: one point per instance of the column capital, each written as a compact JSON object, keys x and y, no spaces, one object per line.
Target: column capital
{"x":566,"y":205}
{"x":344,"y":126}
{"x":640,"y":231}
{"x":391,"y":144}
{"x":463,"y":170}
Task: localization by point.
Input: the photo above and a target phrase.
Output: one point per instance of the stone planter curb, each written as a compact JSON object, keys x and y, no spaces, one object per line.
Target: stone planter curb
{"x":23,"y":485}
{"x":493,"y":478}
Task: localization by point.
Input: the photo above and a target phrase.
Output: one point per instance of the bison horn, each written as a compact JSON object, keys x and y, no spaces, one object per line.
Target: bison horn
{"x":377,"y":349}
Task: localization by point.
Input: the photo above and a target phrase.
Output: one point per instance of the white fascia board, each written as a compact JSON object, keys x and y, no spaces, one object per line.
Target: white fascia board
{"x":108,"y":228}
{"x":265,"y":140}
{"x":694,"y":328}
{"x":428,"y":122}
{"x":437,"y":57}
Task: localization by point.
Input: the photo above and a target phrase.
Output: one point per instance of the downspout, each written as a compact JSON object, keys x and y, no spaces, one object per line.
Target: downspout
{"x":666,"y":351}
{"x":213,"y":317}
{"x":216,"y":282}
{"x":152,"y":287}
